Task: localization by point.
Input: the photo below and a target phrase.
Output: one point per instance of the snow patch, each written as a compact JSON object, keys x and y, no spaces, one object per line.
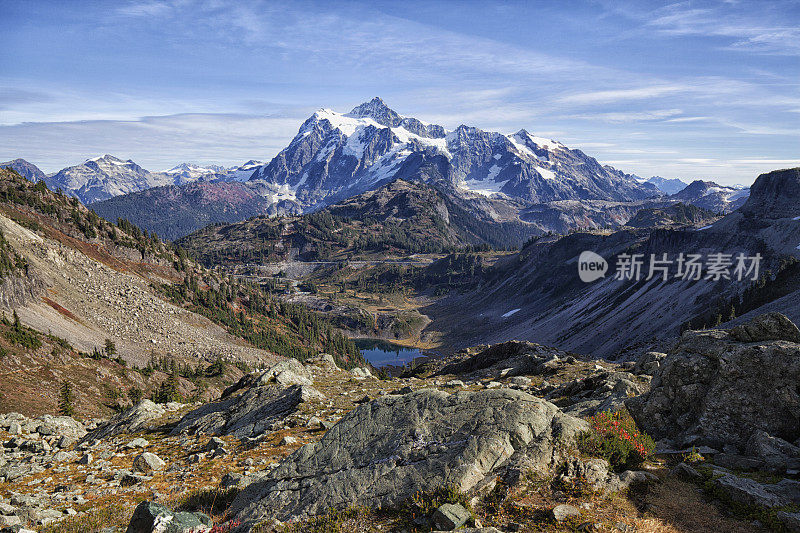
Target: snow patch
{"x":354,"y":145}
{"x":522,"y":148}
{"x":524,"y":137}
{"x":506,"y":315}
{"x":546,"y":174}
{"x":483,"y":187}
{"x":493,"y":172}
{"x":704,"y":227}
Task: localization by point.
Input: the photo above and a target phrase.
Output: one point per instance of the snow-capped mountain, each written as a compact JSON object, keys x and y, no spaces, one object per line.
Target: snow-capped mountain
{"x":25,"y":169}
{"x":190,"y":172}
{"x":710,"y":195}
{"x":337,"y":155}
{"x":242,"y":172}
{"x":668,"y":186}
{"x":105,"y":177}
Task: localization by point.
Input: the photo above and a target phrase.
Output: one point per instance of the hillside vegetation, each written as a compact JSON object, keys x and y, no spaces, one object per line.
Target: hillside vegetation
{"x":90,"y":280}
{"x":400,"y":218}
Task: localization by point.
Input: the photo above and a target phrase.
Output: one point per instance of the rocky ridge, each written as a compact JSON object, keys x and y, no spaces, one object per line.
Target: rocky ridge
{"x":479,"y":421}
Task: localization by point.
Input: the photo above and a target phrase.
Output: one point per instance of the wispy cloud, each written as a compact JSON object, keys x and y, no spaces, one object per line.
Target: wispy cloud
{"x":144,"y":9}
{"x":621,"y":95}
{"x":767,"y":34}
{"x":688,"y":119}
{"x":622,"y":117}
{"x":154,"y":142}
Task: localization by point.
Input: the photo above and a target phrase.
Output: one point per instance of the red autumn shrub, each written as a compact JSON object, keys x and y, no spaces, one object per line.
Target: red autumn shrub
{"x":615,"y":437}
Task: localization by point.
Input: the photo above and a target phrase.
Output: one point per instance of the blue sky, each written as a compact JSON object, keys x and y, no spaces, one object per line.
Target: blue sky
{"x":688,"y":89}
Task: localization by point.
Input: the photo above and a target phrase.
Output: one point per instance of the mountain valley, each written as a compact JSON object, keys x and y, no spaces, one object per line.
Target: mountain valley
{"x":211,"y":381}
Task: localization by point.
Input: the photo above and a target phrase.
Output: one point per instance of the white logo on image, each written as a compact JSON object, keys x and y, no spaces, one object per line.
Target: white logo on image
{"x":591,"y":266}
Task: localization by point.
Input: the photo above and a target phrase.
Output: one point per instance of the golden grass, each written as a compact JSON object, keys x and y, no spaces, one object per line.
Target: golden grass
{"x":93,"y":521}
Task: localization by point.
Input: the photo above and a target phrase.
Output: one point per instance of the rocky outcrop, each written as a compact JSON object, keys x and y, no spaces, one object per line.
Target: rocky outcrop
{"x":749,"y":492}
{"x":249,"y":414}
{"x":268,"y":397}
{"x":602,"y":391}
{"x":774,"y":195}
{"x":507,"y":359}
{"x":63,"y":426}
{"x":385,"y":451}
{"x":769,"y":327}
{"x":718,"y":389}
{"x":138,"y":417}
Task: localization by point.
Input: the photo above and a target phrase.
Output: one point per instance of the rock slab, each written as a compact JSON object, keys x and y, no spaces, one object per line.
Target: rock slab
{"x":383,"y":452}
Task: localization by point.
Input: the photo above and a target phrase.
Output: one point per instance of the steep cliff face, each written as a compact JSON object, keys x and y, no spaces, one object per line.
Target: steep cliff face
{"x":774,"y":195}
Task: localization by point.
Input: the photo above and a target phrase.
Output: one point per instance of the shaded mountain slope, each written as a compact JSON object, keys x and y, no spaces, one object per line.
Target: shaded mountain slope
{"x":610,"y":315}
{"x":173,"y":212}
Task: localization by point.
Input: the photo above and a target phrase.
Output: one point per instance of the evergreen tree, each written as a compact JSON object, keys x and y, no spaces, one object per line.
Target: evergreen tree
{"x":65,"y":402}
{"x":111,"y":348}
{"x":135,"y":394}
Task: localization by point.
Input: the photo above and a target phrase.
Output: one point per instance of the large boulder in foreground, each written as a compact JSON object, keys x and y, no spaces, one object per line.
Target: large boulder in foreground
{"x":720,"y":387}
{"x":151,"y":517}
{"x":385,"y":451}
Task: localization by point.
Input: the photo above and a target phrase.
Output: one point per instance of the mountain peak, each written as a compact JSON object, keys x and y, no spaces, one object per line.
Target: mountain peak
{"x":25,"y":169}
{"x":106,"y":157}
{"x":377,"y":110}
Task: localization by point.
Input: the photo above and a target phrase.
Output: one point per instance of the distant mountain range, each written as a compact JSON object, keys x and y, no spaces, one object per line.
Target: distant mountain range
{"x":190,"y":172}
{"x":667,"y":186}
{"x":101,"y":178}
{"x":537,"y":182}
